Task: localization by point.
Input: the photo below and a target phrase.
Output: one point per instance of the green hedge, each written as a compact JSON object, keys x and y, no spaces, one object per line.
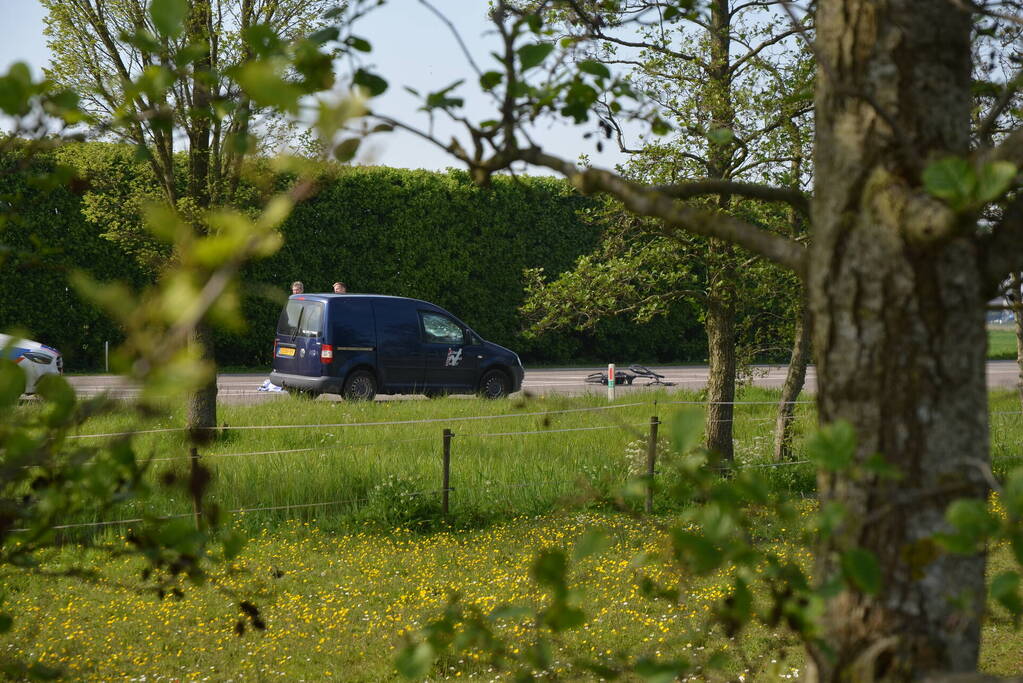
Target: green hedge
{"x":43,"y":238}
{"x":434,"y":236}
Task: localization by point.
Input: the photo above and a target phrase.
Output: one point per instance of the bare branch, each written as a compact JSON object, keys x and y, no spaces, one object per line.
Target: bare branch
{"x":716,"y":186}
{"x":647,"y":201}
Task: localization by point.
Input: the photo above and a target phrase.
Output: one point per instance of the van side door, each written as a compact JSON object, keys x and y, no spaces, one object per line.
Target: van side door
{"x":352,"y":334}
{"x":400,"y":359}
{"x":449,"y":363}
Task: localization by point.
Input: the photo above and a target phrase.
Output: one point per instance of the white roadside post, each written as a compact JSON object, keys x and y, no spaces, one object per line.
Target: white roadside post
{"x":610,"y":381}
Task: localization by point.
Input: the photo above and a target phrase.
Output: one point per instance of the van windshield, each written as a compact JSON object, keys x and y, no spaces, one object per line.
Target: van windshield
{"x":301,"y":318}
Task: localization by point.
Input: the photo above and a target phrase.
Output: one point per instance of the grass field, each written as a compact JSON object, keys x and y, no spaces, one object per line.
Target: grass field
{"x":382,"y":461}
{"x":340,"y":585}
{"x":1001,"y":342}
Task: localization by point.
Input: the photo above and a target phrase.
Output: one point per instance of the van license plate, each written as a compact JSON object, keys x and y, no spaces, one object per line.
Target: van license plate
{"x":287,"y":351}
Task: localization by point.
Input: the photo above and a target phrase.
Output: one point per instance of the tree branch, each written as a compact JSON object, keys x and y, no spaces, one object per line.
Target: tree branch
{"x":648,"y":201}
{"x":712,"y":186}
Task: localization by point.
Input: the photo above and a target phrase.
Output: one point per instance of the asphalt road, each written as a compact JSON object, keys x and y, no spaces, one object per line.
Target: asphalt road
{"x":243,"y":388}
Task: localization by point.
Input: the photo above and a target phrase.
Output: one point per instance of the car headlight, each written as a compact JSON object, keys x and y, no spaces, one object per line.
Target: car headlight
{"x":40,"y":358}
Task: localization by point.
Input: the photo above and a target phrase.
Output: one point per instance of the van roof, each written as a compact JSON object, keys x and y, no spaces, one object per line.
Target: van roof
{"x":330,"y":295}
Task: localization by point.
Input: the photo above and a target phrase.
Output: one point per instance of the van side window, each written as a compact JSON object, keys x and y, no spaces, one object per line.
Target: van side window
{"x":440,"y":329}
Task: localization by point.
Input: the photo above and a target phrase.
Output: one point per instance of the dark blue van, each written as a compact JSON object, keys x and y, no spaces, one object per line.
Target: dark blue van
{"x":359,"y":345}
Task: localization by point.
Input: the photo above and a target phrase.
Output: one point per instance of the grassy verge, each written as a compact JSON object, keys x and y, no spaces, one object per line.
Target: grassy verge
{"x":340,"y":585}
{"x":382,"y":461}
{"x":1001,"y":342}
{"x":338,"y":606}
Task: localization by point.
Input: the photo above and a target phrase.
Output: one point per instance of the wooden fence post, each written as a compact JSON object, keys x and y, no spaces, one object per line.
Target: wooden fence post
{"x":447,"y":471}
{"x":193,"y":461}
{"x":651,"y":459}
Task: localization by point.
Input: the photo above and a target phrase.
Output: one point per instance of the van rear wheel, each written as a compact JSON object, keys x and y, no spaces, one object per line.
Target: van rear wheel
{"x":361,"y":385}
{"x":494,"y":384}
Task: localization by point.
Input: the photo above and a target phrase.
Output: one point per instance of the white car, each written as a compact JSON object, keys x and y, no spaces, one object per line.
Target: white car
{"x":34,"y":358}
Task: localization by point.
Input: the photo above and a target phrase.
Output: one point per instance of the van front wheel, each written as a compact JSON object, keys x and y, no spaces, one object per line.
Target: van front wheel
{"x":361,"y":385}
{"x":494,"y":384}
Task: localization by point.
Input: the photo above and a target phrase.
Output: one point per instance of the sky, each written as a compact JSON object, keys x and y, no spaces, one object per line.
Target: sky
{"x":411,"y":46}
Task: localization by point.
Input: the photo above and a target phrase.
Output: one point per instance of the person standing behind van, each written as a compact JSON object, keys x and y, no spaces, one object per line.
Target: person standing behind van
{"x":340,"y":288}
{"x":297,"y":287}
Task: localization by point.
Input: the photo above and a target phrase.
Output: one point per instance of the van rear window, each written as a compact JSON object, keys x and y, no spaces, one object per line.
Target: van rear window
{"x":301,"y":318}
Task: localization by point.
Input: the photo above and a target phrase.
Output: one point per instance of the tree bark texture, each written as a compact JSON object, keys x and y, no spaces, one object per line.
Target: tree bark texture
{"x":720,"y":326}
{"x":899,"y":333}
{"x":201,"y":416}
{"x":720,"y":322}
{"x":794,"y":381}
{"x":202,"y":405}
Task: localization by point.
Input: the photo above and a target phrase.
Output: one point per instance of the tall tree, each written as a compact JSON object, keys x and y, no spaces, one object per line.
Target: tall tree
{"x":898,"y":273}
{"x":734,"y":86}
{"x":168,"y":75}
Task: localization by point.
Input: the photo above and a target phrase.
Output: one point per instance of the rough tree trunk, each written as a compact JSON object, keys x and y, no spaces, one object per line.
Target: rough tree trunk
{"x":898,"y":307}
{"x":721,"y":371}
{"x":721,"y":286}
{"x":201,"y":414}
{"x":202,"y":405}
{"x":794,"y":380}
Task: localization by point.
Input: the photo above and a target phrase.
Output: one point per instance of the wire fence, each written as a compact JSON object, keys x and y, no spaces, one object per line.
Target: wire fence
{"x":647,"y":430}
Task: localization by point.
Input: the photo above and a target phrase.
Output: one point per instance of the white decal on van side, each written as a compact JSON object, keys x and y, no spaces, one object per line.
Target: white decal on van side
{"x":454,"y":358}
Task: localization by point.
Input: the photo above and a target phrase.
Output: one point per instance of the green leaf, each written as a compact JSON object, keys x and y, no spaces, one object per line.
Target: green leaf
{"x":262,"y":80}
{"x":877,"y":464}
{"x":592,"y":542}
{"x":1012,"y":494}
{"x":562,"y":617}
{"x":660,"y":127}
{"x":833,"y":447}
{"x":57,"y":392}
{"x":345,"y":151}
{"x":12,"y":383}
{"x":721,"y":136}
{"x":490,"y":79}
{"x":233,"y":544}
{"x":360,"y":44}
{"x":325,"y":35}
{"x":1005,"y":589}
{"x":169,"y":16}
{"x":550,"y":567}
{"x":509,"y":612}
{"x":952,"y":180}
{"x":832,"y":515}
{"x":686,"y":430}
{"x":861,"y":568}
{"x":702,"y":555}
{"x":533,"y":54}
{"x":995,"y":179}
{"x":42,"y":672}
{"x":594,"y":68}
{"x":971,"y":519}
{"x":371,"y":82}
{"x":16,"y":89}
{"x":414,"y":660}
{"x":654,"y":671}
